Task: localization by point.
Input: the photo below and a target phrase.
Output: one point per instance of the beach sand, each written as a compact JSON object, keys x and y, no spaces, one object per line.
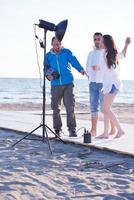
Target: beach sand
{"x":124,"y":112}
{"x":28,"y":171}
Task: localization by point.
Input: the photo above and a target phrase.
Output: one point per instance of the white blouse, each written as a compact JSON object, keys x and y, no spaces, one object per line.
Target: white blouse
{"x":112,"y":77}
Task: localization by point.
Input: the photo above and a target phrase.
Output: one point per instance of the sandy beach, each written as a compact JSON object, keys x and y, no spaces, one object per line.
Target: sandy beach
{"x":125,"y":112}
{"x":29,"y":172}
{"x":36,"y":161}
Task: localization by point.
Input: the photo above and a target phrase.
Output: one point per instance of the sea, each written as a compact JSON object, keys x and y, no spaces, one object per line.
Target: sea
{"x":29,"y":90}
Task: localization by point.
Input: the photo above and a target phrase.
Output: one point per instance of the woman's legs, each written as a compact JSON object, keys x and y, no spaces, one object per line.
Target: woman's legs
{"x":107,"y":102}
{"x":109,"y":115}
{"x":112,"y":128}
{"x":116,"y":124}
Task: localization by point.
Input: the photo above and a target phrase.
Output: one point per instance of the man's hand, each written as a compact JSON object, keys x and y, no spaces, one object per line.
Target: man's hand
{"x":50,"y":78}
{"x":83,"y":72}
{"x":95,"y":67}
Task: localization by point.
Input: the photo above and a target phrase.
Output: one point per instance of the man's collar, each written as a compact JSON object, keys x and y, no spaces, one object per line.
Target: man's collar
{"x":54,"y":52}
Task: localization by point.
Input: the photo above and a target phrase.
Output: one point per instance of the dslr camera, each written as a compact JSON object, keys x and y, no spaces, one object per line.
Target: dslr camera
{"x":51,"y":72}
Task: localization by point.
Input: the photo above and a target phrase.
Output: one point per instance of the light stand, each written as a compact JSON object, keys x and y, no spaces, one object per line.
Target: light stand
{"x":59,"y":33}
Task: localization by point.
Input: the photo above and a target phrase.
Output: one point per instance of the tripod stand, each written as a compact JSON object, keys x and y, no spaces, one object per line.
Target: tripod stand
{"x":45,"y":128}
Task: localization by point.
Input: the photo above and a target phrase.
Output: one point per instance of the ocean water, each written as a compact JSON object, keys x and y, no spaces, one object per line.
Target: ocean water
{"x":29,"y":90}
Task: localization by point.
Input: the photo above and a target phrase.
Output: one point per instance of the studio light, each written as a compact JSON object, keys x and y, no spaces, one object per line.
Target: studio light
{"x":59,"y":29}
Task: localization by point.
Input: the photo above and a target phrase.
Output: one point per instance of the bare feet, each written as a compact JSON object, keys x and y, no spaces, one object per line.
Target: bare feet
{"x":112,"y":132}
{"x":103,"y":136}
{"x":119,"y":134}
{"x":93,"y":134}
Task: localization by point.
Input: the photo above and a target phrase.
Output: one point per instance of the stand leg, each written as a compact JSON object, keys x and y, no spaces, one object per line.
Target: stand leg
{"x":45,"y":133}
{"x":26,"y":135}
{"x":48,"y":140}
{"x":55,"y":134}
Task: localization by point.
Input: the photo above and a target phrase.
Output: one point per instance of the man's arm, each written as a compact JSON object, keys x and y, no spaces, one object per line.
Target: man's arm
{"x":75,"y":63}
{"x":127,"y":42}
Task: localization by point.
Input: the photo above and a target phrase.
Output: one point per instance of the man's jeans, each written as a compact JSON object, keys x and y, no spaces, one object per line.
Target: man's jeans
{"x":58,"y":93}
{"x":96,"y":98}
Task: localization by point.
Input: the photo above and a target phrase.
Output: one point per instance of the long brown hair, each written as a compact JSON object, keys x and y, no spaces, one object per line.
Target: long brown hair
{"x":111,"y":51}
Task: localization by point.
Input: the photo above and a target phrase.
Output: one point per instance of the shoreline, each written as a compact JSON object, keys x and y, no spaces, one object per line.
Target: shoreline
{"x":124,"y":112}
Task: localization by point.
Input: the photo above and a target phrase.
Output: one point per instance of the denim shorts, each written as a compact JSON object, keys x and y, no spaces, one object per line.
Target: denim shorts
{"x":114,"y":90}
{"x":96,"y":98}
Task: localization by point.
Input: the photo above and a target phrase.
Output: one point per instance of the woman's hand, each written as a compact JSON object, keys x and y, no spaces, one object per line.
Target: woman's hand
{"x":128,"y":41}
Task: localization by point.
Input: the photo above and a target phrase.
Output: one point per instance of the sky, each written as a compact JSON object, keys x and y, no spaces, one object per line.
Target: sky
{"x":17,"y":41}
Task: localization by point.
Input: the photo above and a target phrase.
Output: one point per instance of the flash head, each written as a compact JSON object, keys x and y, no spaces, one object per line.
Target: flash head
{"x":59,"y":29}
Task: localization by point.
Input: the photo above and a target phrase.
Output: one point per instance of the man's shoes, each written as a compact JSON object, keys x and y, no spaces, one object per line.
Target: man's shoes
{"x":72,"y":133}
{"x":58,"y":133}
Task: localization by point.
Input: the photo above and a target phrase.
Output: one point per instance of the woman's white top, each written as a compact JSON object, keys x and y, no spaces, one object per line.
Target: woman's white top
{"x":111,"y":76}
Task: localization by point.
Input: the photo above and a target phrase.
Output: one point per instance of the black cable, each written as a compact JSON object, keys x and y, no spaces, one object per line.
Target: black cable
{"x":76,"y":132}
{"x":80,"y":129}
{"x":37,"y":56}
{"x":38,"y":64}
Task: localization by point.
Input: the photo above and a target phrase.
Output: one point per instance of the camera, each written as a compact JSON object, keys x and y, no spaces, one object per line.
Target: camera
{"x":55,"y":75}
{"x":51,"y":72}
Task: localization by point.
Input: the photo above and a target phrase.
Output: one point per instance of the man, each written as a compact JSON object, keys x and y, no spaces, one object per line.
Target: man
{"x":58,"y":61}
{"x":95,"y":70}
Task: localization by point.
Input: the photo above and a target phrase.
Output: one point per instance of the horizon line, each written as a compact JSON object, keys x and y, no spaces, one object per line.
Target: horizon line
{"x":42,"y":78}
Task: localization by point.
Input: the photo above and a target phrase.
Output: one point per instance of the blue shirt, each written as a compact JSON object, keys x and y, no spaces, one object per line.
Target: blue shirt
{"x":61,"y":62}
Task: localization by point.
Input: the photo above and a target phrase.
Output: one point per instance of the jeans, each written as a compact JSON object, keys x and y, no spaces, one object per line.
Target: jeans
{"x":114,"y":90}
{"x":96,"y":98}
{"x":58,"y":93}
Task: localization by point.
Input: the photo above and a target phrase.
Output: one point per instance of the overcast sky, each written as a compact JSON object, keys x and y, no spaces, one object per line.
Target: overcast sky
{"x":17,"y":46}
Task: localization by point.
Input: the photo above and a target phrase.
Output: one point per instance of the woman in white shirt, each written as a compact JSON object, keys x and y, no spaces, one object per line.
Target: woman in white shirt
{"x":111,"y":84}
